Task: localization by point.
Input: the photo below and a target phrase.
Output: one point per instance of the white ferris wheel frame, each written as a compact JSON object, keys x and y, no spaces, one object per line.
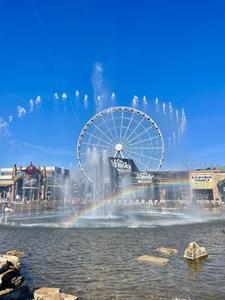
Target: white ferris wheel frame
{"x":111,"y":110}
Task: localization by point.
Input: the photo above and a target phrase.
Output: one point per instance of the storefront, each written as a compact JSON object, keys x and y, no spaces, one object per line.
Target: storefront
{"x":208,"y":185}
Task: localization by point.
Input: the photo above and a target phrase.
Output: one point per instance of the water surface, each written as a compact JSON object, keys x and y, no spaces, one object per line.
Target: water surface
{"x":99,"y":263}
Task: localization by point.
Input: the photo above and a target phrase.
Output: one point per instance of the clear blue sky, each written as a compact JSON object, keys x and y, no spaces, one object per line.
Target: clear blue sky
{"x":174,"y":50}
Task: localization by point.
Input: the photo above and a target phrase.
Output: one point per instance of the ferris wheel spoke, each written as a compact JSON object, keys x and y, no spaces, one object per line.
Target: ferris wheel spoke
{"x":114,"y":125}
{"x":143,"y":141}
{"x":97,"y":145}
{"x":134,"y":130}
{"x":121,"y":125}
{"x":102,"y":133}
{"x":146,"y":156}
{"x":143,"y":132}
{"x":137,"y":159}
{"x":146,"y":148}
{"x":96,"y":137}
{"x":128,"y":127}
{"x":109,"y":130}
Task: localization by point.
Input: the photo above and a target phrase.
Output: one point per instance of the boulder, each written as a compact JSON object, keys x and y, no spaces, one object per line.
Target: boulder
{"x":52,"y":294}
{"x":22,"y":293}
{"x":5,"y":292}
{"x":4,"y":264}
{"x":160,"y":261}
{"x":47,"y":294}
{"x":67,"y":297}
{"x":10,"y":279}
{"x":13,"y":260}
{"x":167,"y":251}
{"x":194,"y":251}
{"x":17,"y":281}
{"x":16,"y":253}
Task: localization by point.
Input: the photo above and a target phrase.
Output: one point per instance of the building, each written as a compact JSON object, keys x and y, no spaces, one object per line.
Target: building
{"x":194,"y":185}
{"x":171,"y":185}
{"x":208,"y":184}
{"x":164,"y":185}
{"x":32,"y":183}
{"x":53,"y":183}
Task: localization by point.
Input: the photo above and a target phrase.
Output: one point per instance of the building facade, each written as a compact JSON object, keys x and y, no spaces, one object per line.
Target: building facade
{"x":208,"y":184}
{"x":33,"y":183}
{"x":53,"y":183}
{"x":194,"y":185}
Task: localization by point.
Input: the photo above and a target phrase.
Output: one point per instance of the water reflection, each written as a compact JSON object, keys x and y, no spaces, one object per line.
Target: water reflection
{"x":196,"y":266}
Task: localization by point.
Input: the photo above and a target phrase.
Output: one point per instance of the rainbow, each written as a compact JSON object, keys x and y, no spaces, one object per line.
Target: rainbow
{"x":124,"y":193}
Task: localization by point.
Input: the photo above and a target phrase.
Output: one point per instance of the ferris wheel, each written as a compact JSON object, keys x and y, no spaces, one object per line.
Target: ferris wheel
{"x":121,"y":132}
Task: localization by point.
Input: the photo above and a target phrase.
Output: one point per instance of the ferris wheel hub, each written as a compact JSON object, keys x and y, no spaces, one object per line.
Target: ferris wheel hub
{"x":119,"y":147}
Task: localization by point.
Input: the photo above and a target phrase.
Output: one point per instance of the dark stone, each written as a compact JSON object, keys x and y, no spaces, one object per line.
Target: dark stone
{"x":10,"y":279}
{"x":17,"y":281}
{"x":4,"y":266}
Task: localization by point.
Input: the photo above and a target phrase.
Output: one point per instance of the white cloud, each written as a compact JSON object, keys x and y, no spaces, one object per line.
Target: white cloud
{"x":49,"y":150}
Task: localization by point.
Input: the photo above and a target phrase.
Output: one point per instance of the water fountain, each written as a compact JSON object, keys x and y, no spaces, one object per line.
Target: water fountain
{"x":120,"y":151}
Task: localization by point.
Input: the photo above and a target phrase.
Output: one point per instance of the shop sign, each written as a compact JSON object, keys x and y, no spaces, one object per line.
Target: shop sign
{"x":30,"y":182}
{"x":144,"y":177}
{"x":201,"y":178}
{"x":120,"y":165}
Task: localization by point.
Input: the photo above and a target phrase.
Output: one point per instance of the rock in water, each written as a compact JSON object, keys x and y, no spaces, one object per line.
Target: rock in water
{"x":5,"y":292}
{"x":10,"y":279}
{"x":15,"y":252}
{"x":160,"y":261}
{"x":4,"y":264}
{"x":13,"y":260}
{"x":167,"y":251}
{"x":194,"y":251}
{"x":52,"y":294}
{"x":47,"y":294}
